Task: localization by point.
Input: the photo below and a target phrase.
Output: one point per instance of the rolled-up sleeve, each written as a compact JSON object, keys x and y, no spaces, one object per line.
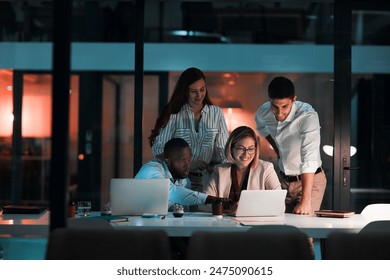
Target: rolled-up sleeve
{"x":180,"y":193}
{"x":311,"y":137}
{"x":185,"y":196}
{"x":261,"y":126}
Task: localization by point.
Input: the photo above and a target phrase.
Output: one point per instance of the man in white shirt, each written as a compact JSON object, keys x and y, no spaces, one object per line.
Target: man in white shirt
{"x":293,"y":130}
{"x":176,"y":167}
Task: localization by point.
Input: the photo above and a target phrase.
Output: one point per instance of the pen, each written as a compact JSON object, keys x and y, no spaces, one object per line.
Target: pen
{"x":155,"y":216}
{"x":119,"y":220}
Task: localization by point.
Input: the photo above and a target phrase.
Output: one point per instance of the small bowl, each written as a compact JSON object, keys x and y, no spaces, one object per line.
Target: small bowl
{"x":105,"y":212}
{"x":178,"y":214}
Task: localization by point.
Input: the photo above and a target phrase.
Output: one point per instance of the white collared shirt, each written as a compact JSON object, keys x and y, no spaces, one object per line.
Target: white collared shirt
{"x":179,"y":190}
{"x":297,"y":137}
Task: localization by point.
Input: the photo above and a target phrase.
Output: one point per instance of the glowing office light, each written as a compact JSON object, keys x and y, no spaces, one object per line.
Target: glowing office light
{"x":328,"y":149}
{"x":353,"y":151}
{"x":6,"y":117}
{"x":229,"y":107}
{"x":36,"y":112}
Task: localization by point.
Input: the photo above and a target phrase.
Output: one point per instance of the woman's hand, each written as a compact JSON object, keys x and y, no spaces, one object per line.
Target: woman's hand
{"x":230,"y":207}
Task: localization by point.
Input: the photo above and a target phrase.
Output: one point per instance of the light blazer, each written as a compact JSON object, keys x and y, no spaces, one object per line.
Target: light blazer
{"x":261,"y":177}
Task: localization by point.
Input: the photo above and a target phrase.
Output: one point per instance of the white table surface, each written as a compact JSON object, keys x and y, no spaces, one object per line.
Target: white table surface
{"x":313,"y":226}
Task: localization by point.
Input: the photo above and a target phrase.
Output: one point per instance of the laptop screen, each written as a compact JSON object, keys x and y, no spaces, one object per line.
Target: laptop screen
{"x":257,"y":203}
{"x":139,"y":196}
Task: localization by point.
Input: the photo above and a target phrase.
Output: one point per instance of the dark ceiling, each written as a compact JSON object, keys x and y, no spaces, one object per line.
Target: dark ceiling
{"x":262,"y":22}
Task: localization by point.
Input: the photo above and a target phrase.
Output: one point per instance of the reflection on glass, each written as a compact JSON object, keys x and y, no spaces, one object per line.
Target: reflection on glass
{"x":328,"y":149}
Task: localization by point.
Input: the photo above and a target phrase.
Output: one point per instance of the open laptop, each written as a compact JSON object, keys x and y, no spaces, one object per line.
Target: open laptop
{"x":139,"y":196}
{"x":261,"y":203}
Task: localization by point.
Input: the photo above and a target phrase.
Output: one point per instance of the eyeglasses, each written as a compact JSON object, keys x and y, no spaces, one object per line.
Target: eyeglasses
{"x":249,"y":151}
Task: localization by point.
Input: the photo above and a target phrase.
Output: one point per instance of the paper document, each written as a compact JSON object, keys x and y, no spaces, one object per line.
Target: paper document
{"x":254,"y":221}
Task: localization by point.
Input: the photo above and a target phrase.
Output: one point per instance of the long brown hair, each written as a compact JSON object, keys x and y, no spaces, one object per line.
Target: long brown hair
{"x":178,"y":99}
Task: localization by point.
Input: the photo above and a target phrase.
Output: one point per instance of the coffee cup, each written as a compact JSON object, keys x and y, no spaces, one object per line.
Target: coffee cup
{"x":217,"y":208}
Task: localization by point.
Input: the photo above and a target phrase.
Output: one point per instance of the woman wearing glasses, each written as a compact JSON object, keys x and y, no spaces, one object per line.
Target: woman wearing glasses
{"x":244,"y":170}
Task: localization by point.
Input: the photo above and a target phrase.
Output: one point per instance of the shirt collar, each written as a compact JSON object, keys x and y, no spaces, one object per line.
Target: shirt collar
{"x":187,"y":107}
{"x":290,"y":116}
{"x":169,"y":175}
{"x":166,"y":170}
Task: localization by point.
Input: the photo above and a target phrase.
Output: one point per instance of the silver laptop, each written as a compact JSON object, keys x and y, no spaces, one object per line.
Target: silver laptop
{"x":139,"y":196}
{"x":261,"y":203}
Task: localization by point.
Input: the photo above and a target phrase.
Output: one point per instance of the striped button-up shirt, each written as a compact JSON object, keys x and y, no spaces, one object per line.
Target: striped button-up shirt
{"x":207,"y":144}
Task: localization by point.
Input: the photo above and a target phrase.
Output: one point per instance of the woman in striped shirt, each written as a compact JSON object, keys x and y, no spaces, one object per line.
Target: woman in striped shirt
{"x":191,"y":115}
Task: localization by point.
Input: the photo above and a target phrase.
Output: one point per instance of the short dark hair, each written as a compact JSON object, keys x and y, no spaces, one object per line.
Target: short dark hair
{"x":173,"y":144}
{"x":281,"y":87}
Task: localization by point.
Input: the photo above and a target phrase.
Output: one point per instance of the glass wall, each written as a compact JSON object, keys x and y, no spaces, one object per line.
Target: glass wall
{"x":240,"y":46}
{"x":218,"y":21}
{"x":370,"y":123}
{"x":36,"y":121}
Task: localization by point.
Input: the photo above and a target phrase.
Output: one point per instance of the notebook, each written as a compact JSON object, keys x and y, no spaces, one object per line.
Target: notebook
{"x":261,"y":203}
{"x":139,"y":196}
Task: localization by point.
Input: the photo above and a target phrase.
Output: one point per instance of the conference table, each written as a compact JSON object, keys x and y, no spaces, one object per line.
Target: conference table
{"x":13,"y":225}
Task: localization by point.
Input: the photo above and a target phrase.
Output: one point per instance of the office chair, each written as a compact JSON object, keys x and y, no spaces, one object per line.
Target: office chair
{"x":377,"y":211}
{"x":268,"y":242}
{"x":340,"y":246}
{"x":377,"y":226}
{"x":371,"y":243}
{"x":107,"y":244}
